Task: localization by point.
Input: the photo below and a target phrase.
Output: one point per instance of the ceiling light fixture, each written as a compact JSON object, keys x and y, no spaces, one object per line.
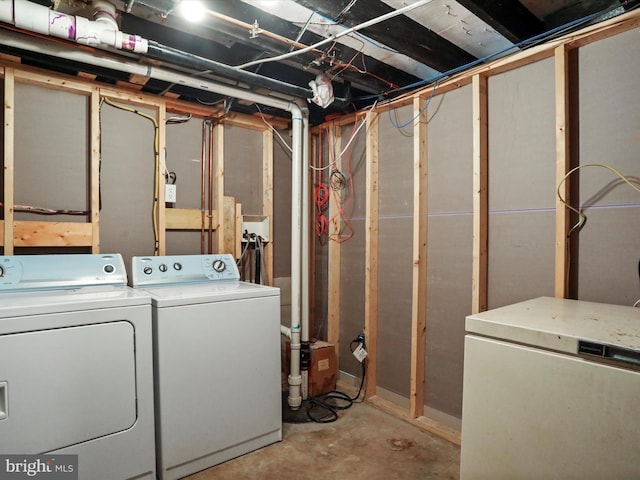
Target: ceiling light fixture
{"x":191,"y":10}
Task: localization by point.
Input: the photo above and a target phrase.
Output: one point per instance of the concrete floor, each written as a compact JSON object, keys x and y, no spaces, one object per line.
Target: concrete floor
{"x":365,"y":443}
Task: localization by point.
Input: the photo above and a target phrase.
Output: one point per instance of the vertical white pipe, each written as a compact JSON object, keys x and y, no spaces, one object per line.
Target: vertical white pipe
{"x":305,"y":247}
{"x":295,"y":380}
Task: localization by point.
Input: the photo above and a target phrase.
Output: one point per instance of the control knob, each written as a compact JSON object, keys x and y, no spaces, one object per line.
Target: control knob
{"x":219,"y":266}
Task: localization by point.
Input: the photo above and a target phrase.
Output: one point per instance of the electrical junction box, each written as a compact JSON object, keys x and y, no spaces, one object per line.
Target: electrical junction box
{"x":255,"y":225}
{"x":170,"y":193}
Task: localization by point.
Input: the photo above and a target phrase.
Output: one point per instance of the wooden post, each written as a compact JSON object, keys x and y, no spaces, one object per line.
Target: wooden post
{"x":9,"y":125}
{"x":371,"y":255}
{"x":94,"y":169}
{"x":218,"y":180}
{"x":333,"y":310}
{"x":419,"y":291}
{"x":480,"y":193}
{"x":267,"y":199}
{"x":563,"y":164}
{"x":162,"y":148}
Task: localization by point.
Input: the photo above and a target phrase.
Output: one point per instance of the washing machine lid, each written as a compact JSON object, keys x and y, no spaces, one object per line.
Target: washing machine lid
{"x":562,"y":325}
{"x":199,"y":293}
{"x":17,"y":304}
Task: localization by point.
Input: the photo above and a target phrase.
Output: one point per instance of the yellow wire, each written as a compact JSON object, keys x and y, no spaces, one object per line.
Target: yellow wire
{"x":581,"y":216}
{"x":156,"y":179}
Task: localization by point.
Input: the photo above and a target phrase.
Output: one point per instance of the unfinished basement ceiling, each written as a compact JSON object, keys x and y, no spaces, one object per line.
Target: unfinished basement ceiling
{"x":422,"y":46}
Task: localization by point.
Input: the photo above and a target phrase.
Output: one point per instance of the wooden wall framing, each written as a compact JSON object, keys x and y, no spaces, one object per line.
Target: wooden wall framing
{"x":562,"y":50}
{"x":87,"y":234}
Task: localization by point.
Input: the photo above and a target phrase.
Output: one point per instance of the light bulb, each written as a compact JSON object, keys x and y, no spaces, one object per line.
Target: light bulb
{"x":191,"y":10}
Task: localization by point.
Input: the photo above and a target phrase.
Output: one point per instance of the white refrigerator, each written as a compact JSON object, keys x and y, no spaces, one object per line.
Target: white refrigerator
{"x":552,"y":391}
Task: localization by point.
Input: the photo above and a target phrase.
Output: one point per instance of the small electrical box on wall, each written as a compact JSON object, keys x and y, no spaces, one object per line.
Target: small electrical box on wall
{"x":253,"y":226}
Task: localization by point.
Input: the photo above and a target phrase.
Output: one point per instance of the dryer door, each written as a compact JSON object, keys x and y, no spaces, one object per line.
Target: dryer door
{"x":65,"y":386}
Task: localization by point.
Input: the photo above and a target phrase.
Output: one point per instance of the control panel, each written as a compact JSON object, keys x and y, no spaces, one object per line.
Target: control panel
{"x":175,"y":269}
{"x":44,"y":272}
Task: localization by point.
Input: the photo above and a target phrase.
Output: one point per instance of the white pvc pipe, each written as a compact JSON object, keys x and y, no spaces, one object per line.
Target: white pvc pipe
{"x":103,"y":31}
{"x":333,"y":38}
{"x":295,"y":380}
{"x":305,"y":248}
{"x":300,"y":131}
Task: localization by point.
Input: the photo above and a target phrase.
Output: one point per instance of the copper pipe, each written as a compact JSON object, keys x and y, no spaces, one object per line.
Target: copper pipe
{"x":266,"y":33}
{"x":202,"y":185}
{"x":210,"y":165}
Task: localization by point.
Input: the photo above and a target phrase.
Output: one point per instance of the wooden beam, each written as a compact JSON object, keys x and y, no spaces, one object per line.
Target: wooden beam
{"x":447,"y":433}
{"x":9,"y":141}
{"x":54,"y":82}
{"x":335,"y":225}
{"x":419,"y":289}
{"x":229,"y":226}
{"x":480,"y":194}
{"x":218,"y":180}
{"x":563,"y":164}
{"x":371,"y":253}
{"x":49,"y":234}
{"x":267,"y":199}
{"x":186,"y":219}
{"x":238,"y":241}
{"x":160,"y":178}
{"x":94,"y":169}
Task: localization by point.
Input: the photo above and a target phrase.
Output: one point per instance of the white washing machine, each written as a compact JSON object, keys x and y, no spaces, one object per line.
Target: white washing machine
{"x":216,"y":361}
{"x":76,"y":373}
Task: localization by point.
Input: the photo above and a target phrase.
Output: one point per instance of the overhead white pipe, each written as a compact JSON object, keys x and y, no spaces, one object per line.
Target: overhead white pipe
{"x":333,"y":38}
{"x":300,"y":132}
{"x":101,"y":31}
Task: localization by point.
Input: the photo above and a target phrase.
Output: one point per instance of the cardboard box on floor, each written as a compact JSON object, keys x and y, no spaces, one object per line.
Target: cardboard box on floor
{"x":323,"y":368}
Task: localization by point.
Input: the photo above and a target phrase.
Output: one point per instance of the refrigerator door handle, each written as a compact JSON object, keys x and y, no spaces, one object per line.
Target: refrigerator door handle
{"x":610,"y":352}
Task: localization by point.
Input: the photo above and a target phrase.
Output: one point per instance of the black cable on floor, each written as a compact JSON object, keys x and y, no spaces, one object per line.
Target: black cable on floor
{"x":324,"y":408}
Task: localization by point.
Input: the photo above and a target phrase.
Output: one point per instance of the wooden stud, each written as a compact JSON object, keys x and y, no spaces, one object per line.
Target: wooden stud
{"x":371,"y":254}
{"x":229,"y":226}
{"x":186,"y":219}
{"x":218,"y":181}
{"x":562,"y":167}
{"x":160,"y":178}
{"x":480,"y":194}
{"x":238,"y":239}
{"x":50,"y":81}
{"x":267,"y":199}
{"x":313,"y":143}
{"x":87,"y":76}
{"x":419,"y":290}
{"x":50,"y":234}
{"x":9,"y":126}
{"x":138,"y":79}
{"x":450,"y":434}
{"x":94,"y":173}
{"x":335,"y":224}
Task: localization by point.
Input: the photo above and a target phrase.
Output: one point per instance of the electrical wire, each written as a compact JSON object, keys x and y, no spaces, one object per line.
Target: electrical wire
{"x":582,"y":218}
{"x":325,"y":408}
{"x":46,"y":211}
{"x":333,"y":38}
{"x":410,"y":122}
{"x":156,"y":175}
{"x":178,"y":119}
{"x":271,"y":127}
{"x":522,"y":45}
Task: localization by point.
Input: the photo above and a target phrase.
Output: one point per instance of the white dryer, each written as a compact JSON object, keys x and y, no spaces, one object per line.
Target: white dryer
{"x":216,"y":361}
{"x":76,"y":372}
